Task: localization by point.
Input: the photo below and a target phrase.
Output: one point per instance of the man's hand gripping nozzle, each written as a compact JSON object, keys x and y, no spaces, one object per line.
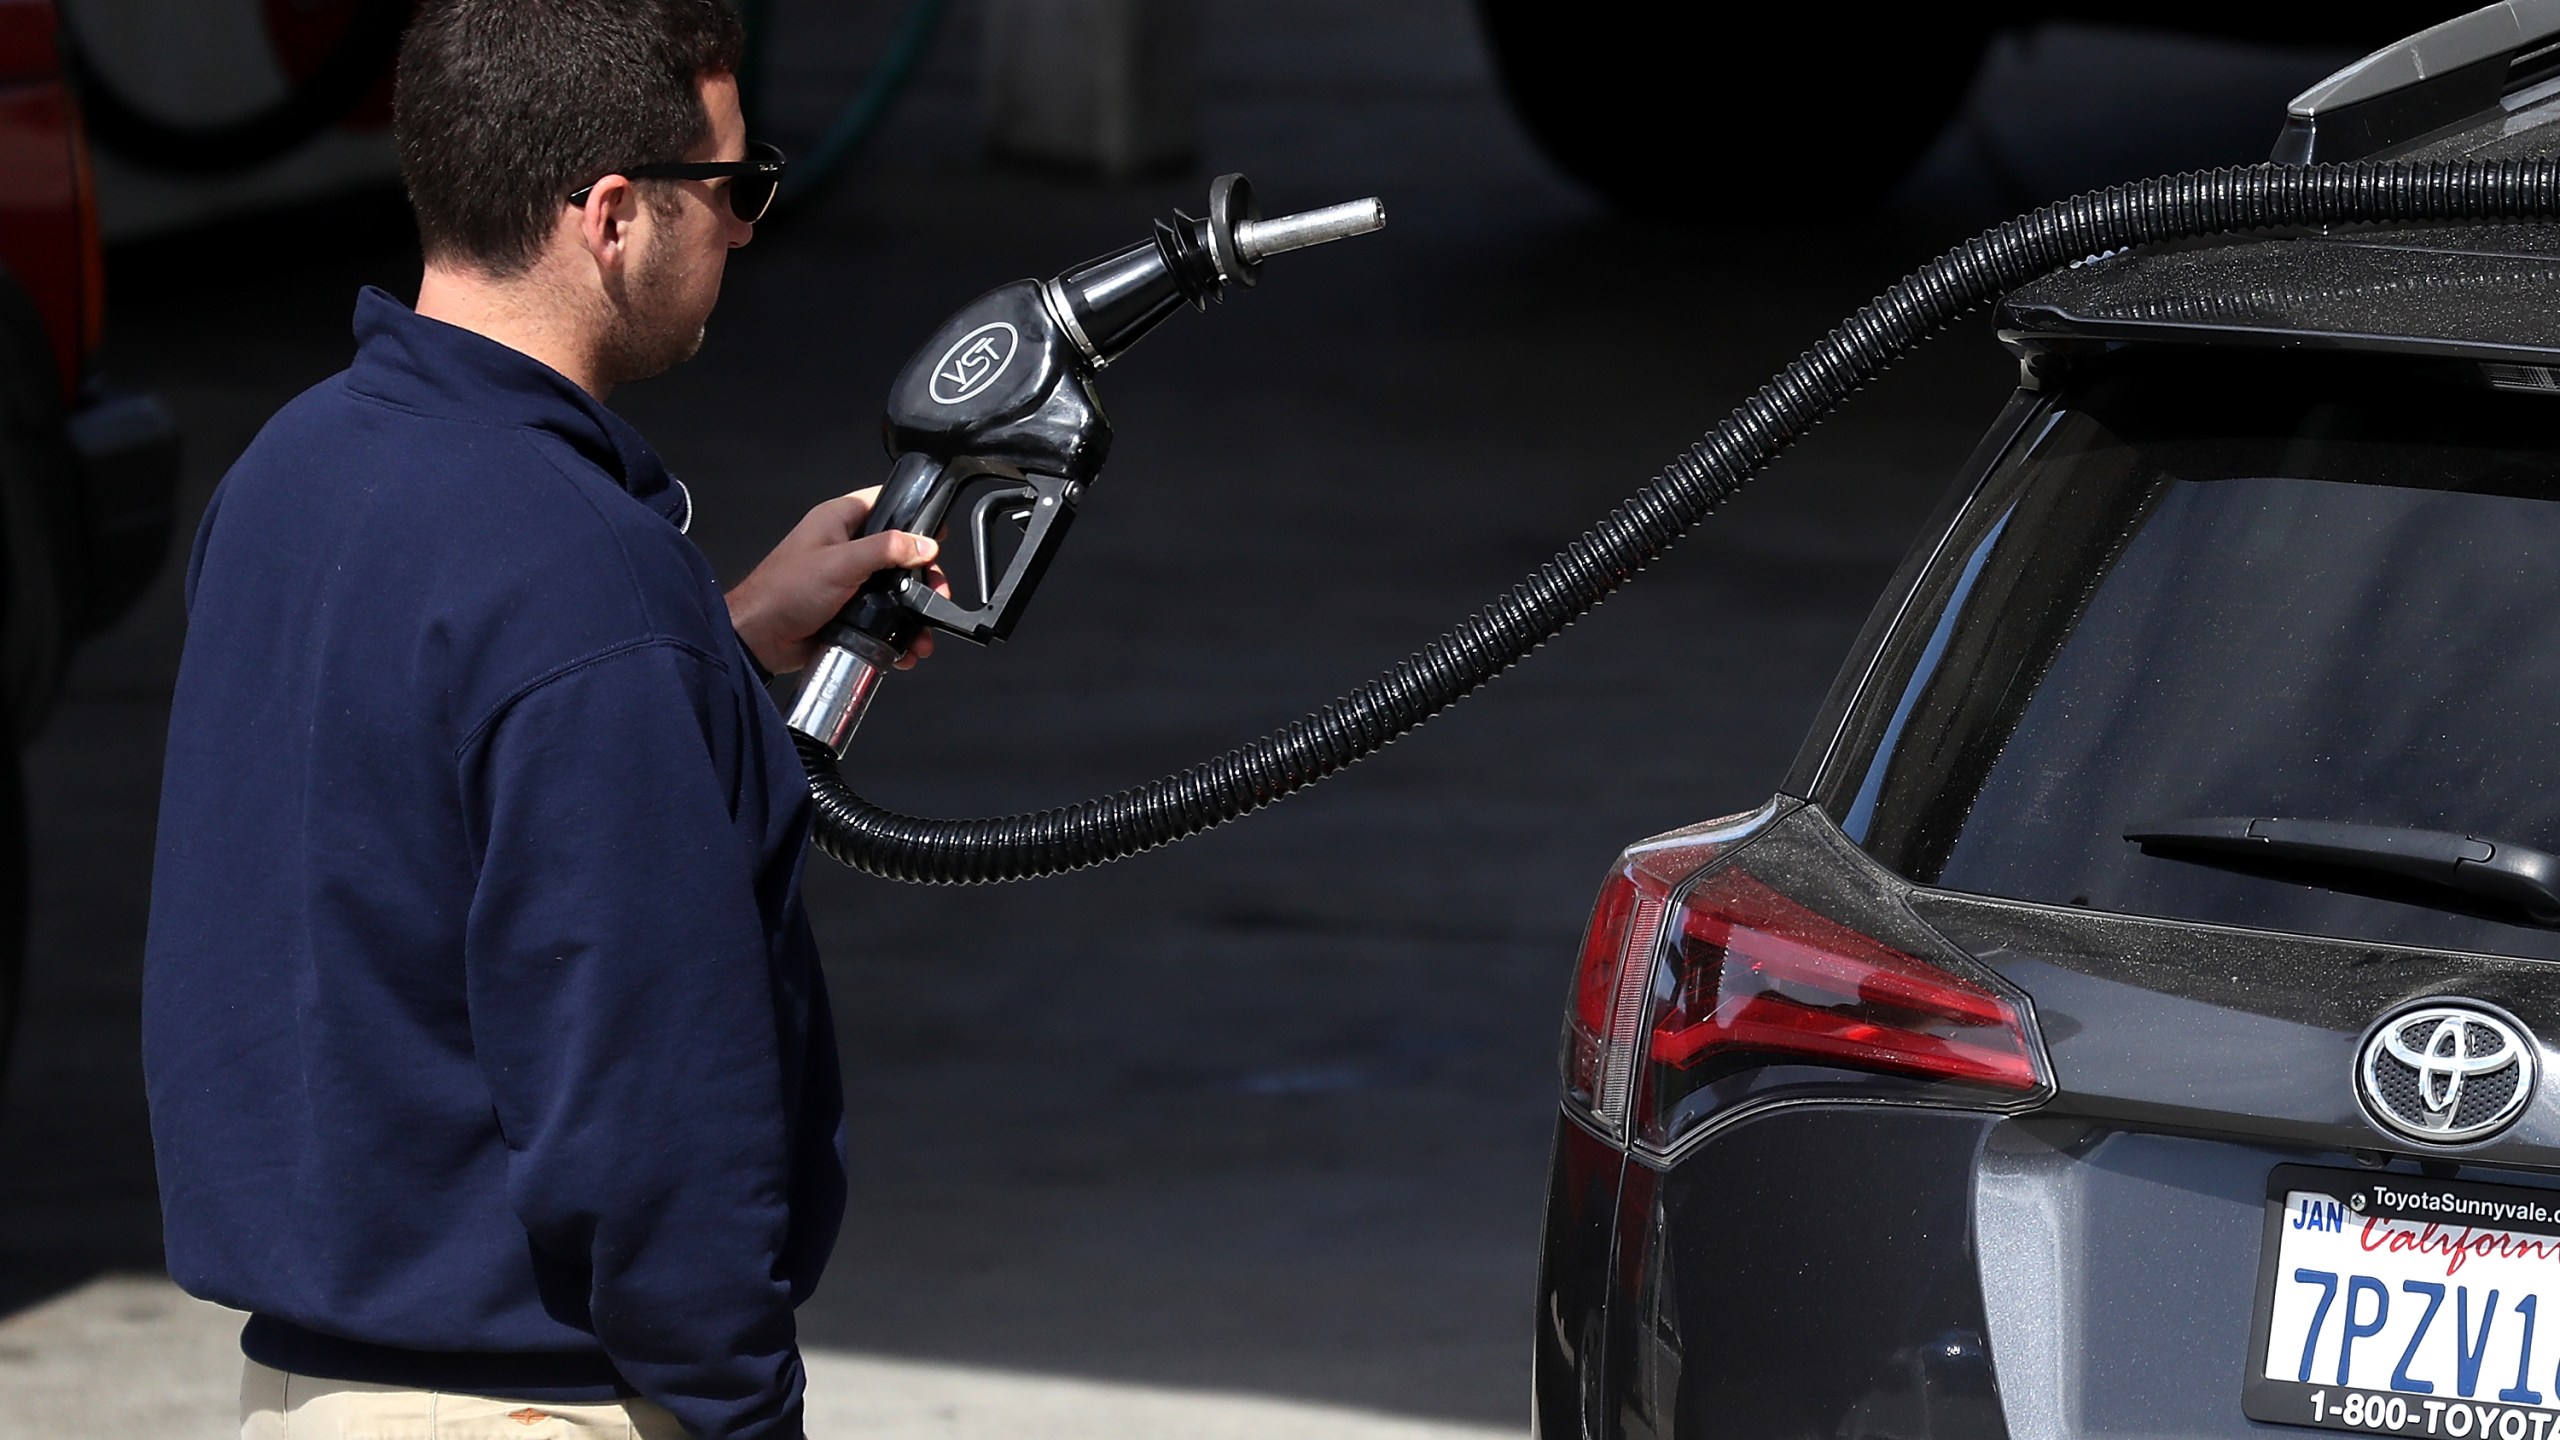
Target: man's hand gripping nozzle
{"x":997,"y":431}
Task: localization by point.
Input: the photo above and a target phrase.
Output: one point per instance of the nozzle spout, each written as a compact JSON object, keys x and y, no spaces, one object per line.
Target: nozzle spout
{"x":1258,"y":240}
{"x":1106,"y":304}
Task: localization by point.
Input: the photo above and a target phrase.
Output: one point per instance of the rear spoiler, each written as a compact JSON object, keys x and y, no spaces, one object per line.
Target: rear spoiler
{"x":2433,"y":81}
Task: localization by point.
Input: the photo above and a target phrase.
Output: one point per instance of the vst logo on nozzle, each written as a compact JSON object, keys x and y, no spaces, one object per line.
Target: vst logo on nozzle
{"x":974,"y":361}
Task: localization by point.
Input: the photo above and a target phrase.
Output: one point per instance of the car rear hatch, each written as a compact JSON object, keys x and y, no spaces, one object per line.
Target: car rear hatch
{"x":2213,"y":585}
{"x":1958,"y":1100}
{"x":2269,"y":537}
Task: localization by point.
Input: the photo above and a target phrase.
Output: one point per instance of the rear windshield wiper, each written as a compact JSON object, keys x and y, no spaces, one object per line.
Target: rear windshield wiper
{"x":2473,"y":865}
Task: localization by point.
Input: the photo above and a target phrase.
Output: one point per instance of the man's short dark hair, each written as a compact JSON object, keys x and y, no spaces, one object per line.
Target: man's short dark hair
{"x":506,"y":106}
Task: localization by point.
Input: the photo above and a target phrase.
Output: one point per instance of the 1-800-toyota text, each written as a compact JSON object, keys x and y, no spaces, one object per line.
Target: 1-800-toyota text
{"x":2390,"y":1414}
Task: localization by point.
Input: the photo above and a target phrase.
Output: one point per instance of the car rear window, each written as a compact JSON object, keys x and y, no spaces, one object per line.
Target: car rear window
{"x":2240,"y":584}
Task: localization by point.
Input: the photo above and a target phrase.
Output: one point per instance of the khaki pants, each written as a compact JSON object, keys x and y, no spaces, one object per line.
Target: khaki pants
{"x":278,"y":1406}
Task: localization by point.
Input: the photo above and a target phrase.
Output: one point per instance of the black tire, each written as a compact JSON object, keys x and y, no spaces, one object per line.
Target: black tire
{"x":13,"y":903}
{"x":42,"y":558}
{"x":1696,"y":113}
{"x":2343,"y":24}
{"x":39,"y":547}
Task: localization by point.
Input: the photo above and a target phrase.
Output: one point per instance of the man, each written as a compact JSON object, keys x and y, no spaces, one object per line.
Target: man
{"x":489,"y":1061}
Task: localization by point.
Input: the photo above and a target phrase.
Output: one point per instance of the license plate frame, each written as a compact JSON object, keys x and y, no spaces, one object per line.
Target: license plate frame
{"x":2323,"y":1407}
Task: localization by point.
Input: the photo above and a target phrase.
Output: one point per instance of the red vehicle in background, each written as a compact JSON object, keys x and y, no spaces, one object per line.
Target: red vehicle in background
{"x":87,"y":473}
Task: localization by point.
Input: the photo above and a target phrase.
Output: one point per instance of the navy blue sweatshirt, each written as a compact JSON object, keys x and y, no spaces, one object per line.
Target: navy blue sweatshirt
{"x":482,"y":1024}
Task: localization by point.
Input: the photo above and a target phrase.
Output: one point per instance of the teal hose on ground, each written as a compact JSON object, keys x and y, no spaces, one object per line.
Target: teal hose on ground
{"x":757,"y":17}
{"x":811,"y":174}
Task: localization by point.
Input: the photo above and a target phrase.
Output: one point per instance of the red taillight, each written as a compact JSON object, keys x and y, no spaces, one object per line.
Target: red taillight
{"x":1759,"y":975}
{"x":1610,"y":988}
{"x":1695,"y":997}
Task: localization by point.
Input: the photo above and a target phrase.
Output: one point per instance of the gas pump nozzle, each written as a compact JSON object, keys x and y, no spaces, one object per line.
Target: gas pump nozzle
{"x":997,"y":431}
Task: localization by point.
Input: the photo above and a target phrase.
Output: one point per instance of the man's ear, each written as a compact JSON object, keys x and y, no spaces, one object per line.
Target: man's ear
{"x":604,"y":223}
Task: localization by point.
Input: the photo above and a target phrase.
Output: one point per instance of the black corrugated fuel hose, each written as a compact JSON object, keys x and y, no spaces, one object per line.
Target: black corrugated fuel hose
{"x":1070,"y":837}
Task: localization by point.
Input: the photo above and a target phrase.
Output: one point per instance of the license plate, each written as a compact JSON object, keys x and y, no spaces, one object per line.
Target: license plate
{"x":2404,"y":1306}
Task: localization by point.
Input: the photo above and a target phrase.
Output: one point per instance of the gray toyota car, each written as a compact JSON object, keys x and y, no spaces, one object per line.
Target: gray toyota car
{"x":2132,"y":1016}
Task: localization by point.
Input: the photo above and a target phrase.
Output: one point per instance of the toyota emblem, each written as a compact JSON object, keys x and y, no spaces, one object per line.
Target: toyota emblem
{"x":2447,"y":1074}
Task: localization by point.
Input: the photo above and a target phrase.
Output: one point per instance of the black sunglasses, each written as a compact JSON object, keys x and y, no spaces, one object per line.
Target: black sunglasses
{"x":752,"y":181}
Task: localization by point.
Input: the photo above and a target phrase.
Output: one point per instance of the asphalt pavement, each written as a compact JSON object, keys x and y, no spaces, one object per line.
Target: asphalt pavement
{"x":1244,"y":1137}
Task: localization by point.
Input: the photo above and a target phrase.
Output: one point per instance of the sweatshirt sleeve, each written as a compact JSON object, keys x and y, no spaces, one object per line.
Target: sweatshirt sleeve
{"x":627,"y":1017}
